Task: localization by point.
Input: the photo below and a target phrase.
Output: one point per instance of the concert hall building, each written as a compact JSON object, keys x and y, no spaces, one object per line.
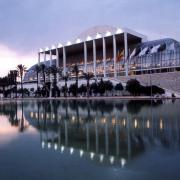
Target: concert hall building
{"x":111,"y":52}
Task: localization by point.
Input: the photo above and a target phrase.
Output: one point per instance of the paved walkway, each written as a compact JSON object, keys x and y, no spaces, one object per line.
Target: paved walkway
{"x":94,"y":98}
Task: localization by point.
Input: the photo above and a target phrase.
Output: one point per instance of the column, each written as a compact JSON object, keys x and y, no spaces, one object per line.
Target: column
{"x":57,"y":63}
{"x":45,"y":64}
{"x":115,"y":54}
{"x":66,"y":133}
{"x":97,"y":137}
{"x":39,"y":57}
{"x":106,"y":139}
{"x":117,"y":138}
{"x":44,"y":57}
{"x":50,"y":93}
{"x":104,"y":55}
{"x":64,"y":61}
{"x":128,"y":137}
{"x":126,"y":53}
{"x":85,"y":57}
{"x":94,"y":57}
{"x":87,"y":137}
{"x":59,"y":135}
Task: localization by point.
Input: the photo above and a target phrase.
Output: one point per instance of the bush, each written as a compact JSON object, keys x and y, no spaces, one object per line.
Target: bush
{"x":119,"y":87}
{"x":101,"y":87}
{"x":134,"y":87}
{"x":94,"y":88}
{"x":82,"y":89}
{"x":108,"y":86}
{"x":72,"y":89}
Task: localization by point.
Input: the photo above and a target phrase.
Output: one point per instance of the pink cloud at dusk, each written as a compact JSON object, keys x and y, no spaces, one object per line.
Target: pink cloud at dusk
{"x":9,"y":59}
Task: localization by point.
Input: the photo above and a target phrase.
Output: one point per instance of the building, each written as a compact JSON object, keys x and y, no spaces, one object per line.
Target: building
{"x":110,"y":52}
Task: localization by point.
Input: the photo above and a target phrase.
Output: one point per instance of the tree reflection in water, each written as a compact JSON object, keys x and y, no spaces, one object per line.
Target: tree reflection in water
{"x":107,"y":131}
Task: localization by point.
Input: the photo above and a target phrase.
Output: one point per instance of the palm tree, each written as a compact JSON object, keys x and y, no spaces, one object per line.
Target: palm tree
{"x":43,"y":71}
{"x":48,"y":72}
{"x":76,"y":71}
{"x":54,"y":71}
{"x":3,"y":83}
{"x":37,"y":70}
{"x":14,"y":74}
{"x":65,"y":78}
{"x":21,"y":70}
{"x":88,"y":76}
{"x":48,"y":84}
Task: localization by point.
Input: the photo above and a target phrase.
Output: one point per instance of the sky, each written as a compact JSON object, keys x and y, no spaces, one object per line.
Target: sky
{"x":28,"y":25}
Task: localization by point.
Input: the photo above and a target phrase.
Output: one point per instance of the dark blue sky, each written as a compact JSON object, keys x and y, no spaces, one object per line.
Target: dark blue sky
{"x":27,"y":25}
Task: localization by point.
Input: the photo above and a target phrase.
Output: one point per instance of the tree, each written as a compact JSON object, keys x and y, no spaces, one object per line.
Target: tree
{"x":37,"y":70}
{"x":72,"y":89}
{"x":88,"y":76}
{"x":76,"y":71}
{"x":54,"y":71}
{"x":66,"y":77}
{"x":133,"y":86}
{"x":48,"y":72}
{"x":3,"y":84}
{"x":43,"y":71}
{"x":21,"y":70}
{"x":14,"y":74}
{"x":94,"y":88}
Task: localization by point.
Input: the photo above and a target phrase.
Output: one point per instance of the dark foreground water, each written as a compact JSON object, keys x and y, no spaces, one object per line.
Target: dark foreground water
{"x":112,"y":139}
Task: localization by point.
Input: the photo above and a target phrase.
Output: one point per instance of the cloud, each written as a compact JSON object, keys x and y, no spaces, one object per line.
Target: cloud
{"x":29,"y":25}
{"x":10,"y":58}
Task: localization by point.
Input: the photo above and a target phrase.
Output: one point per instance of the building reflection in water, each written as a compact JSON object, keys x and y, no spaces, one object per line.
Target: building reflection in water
{"x":104,"y":131}
{"x":107,"y":132}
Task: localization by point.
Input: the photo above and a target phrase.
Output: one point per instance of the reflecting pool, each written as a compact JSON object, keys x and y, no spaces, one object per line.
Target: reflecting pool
{"x":90,"y":139}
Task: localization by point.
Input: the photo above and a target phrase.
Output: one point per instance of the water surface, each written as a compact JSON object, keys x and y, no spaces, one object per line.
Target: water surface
{"x":95,"y":139}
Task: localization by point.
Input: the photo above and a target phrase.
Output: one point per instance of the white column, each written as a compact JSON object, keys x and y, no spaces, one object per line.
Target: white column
{"x":64,"y":61}
{"x":39,"y":58}
{"x":50,"y":57}
{"x":85,"y":57}
{"x":115,"y":54}
{"x":57,"y":58}
{"x":97,"y":137}
{"x":117,"y":138}
{"x":87,"y":137}
{"x":57,"y":63}
{"x":66,"y":133}
{"x":44,"y":57}
{"x":50,"y":93}
{"x":129,"y":137}
{"x":106,"y":139}
{"x":94,"y":57}
{"x":59,"y":135}
{"x":104,"y":56}
{"x":45,"y":63}
{"x":126,"y":53}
